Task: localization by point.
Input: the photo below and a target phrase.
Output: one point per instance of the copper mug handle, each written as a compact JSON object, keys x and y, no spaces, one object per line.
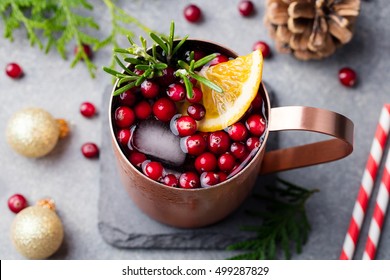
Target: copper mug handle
{"x":314,"y":120}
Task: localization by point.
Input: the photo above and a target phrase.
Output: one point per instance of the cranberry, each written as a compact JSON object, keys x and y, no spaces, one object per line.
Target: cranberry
{"x":219,"y":142}
{"x":164,"y":109}
{"x":149,"y":89}
{"x":192,"y":13}
{"x":208,"y":179}
{"x":90,"y":150}
{"x":87,"y":49}
{"x":257,"y":103}
{"x":124,"y":116}
{"x":153,"y":169}
{"x":237,"y":132}
{"x":238,"y":149}
{"x":193,"y":145}
{"x":219,"y":59}
{"x":245,"y":8}
{"x":347,"y":77}
{"x":197,"y":55}
{"x":197,"y":95}
{"x":176,"y":92}
{"x":13,"y":70}
{"x":17,"y":203}
{"x":129,"y":97}
{"x":143,"y":110}
{"x":205,"y":135}
{"x":168,"y":77}
{"x":222,"y":176}
{"x":252,"y":143}
{"x":263,"y":47}
{"x":189,"y":180}
{"x":138,"y":72}
{"x":185,"y":126}
{"x":170,"y":180}
{"x":87,"y":109}
{"x":206,"y":162}
{"x":196,"y":111}
{"x":226,"y":162}
{"x":255,"y":124}
{"x":123,"y":136}
{"x":137,"y":158}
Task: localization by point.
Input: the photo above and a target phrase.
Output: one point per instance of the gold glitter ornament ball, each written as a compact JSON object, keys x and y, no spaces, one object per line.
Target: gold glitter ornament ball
{"x":37,"y":232}
{"x":33,"y":132}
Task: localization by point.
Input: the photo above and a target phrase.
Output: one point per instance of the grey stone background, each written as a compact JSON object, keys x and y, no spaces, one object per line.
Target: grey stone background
{"x":73,"y":182}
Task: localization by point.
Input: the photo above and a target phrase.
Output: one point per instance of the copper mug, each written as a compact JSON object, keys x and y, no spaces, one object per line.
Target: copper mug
{"x":193,"y":208}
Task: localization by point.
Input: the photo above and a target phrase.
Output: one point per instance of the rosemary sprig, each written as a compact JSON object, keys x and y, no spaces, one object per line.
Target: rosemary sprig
{"x":152,"y":64}
{"x":283,"y":225}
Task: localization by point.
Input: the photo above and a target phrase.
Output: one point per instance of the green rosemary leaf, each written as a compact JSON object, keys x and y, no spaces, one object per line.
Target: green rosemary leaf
{"x":172,"y":32}
{"x":127,"y":70}
{"x":139,"y":81}
{"x":159,"y":42}
{"x":142,"y":67}
{"x":126,"y":79}
{"x":188,"y":86}
{"x":114,"y":72}
{"x":120,"y":50}
{"x":123,"y":89}
{"x":204,"y":60}
{"x":183,"y":65}
{"x":160,"y":66}
{"x":206,"y":82}
{"x":178,"y":46}
{"x":133,"y":60}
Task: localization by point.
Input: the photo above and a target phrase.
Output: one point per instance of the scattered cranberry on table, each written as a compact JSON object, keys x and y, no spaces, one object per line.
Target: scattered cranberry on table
{"x":192,"y":13}
{"x":87,"y":109}
{"x":263,"y":47}
{"x":13,"y":70}
{"x":90,"y":150}
{"x":246,"y":8}
{"x":87,"y":49}
{"x":17,"y":203}
{"x":347,"y":77}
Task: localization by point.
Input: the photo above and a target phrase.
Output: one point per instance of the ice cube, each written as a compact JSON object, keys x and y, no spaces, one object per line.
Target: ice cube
{"x":155,"y":139}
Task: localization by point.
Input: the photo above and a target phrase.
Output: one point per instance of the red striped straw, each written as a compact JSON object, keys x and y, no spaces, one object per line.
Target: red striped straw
{"x":379,"y":214}
{"x":367,"y":184}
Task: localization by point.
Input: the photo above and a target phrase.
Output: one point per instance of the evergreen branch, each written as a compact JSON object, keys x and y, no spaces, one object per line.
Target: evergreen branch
{"x":284,"y":224}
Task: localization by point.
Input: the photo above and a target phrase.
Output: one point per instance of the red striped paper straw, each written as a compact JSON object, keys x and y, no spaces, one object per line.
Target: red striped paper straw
{"x":367,"y":184}
{"x":379,"y":214}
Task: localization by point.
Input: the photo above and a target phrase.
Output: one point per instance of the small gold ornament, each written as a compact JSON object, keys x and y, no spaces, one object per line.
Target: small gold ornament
{"x":37,"y":231}
{"x":33,"y":132}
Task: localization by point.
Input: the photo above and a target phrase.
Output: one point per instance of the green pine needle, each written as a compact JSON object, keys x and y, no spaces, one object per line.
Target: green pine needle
{"x":284,"y":224}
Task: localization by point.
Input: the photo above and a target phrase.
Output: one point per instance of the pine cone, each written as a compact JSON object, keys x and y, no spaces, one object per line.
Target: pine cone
{"x":311,"y":29}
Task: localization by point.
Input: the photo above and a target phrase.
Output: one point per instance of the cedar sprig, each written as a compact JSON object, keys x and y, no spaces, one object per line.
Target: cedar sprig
{"x":283,"y":225}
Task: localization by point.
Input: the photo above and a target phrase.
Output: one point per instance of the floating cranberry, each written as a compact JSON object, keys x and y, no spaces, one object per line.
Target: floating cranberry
{"x":13,"y":70}
{"x":197,"y":95}
{"x":185,"y":126}
{"x":245,"y":8}
{"x":257,"y":103}
{"x":170,"y":180}
{"x":124,"y":116}
{"x":168,"y":77}
{"x":206,"y":162}
{"x":90,"y":150}
{"x":237,"y":132}
{"x":205,"y":135}
{"x":226,"y":162}
{"x":176,"y":92}
{"x":150,"y":89}
{"x":137,"y":158}
{"x":196,"y":111}
{"x":164,"y":109}
{"x":153,"y":169}
{"x":189,"y":180}
{"x":123,"y":136}
{"x":218,"y":142}
{"x":143,"y":110}
{"x":263,"y":47}
{"x":17,"y":203}
{"x":239,"y":150}
{"x":219,"y":59}
{"x":256,"y":125}
{"x":192,"y":13}
{"x":87,"y":109}
{"x":252,"y":143}
{"x":129,"y":97}
{"x":197,"y":55}
{"x":208,"y":179}
{"x":193,"y":145}
{"x":222,"y":176}
{"x":347,"y":77}
{"x":87,"y":49}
